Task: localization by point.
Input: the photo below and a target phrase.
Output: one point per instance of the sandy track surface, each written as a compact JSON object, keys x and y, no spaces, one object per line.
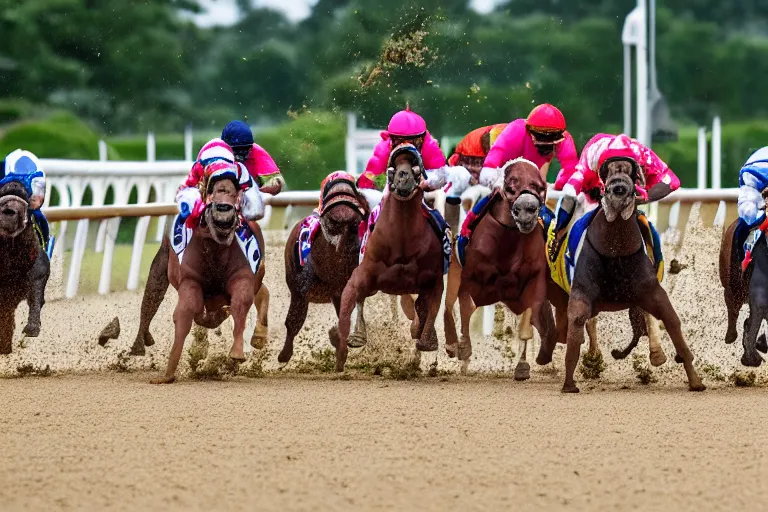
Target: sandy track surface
{"x":114,"y":442}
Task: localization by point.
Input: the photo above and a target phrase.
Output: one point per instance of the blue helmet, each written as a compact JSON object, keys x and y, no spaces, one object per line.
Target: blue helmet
{"x":237,"y":133}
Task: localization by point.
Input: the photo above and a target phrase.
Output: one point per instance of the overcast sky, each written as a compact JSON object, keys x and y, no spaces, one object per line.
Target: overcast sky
{"x":224,"y":12}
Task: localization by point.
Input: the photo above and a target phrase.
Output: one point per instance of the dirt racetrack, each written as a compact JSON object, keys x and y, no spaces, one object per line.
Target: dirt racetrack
{"x":91,"y":433}
{"x":114,"y":442}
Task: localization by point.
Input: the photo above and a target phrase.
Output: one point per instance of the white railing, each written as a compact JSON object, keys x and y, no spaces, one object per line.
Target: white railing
{"x":670,"y":212}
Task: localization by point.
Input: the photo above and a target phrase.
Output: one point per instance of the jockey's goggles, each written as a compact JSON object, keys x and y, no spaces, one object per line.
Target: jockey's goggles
{"x":541,"y":138}
{"x":241,"y":152}
{"x":416,"y":140}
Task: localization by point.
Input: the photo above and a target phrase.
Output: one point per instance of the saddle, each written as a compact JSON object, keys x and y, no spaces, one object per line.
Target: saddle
{"x":328,"y":200}
{"x":41,"y":228}
{"x":436,"y":221}
{"x":479,"y":210}
{"x":566,"y":250}
{"x":244,"y":235}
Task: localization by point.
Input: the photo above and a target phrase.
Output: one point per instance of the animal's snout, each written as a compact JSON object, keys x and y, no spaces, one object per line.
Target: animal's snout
{"x":401,"y":175}
{"x":619,"y":189}
{"x":223,"y":207}
{"x":8,"y":212}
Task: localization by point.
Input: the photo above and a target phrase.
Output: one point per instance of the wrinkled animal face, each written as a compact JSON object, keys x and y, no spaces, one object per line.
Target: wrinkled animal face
{"x":338,"y":217}
{"x":13,"y":210}
{"x":221,"y":215}
{"x":404,"y":177}
{"x":525,"y":211}
{"x":524,"y":191}
{"x":619,"y":198}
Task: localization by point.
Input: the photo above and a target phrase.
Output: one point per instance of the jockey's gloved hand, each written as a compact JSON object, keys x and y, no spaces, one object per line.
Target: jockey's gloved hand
{"x":187,"y":198}
{"x":489,"y":177}
{"x":458,"y":178}
{"x":252,"y":205}
{"x":658,"y":191}
{"x":435,"y":179}
{"x":565,"y":207}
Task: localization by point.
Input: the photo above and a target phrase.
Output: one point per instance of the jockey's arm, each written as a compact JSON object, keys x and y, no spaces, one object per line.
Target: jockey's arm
{"x":272,"y":184}
{"x":252,"y":204}
{"x":751,"y":205}
{"x":660,"y":180}
{"x":38,"y":192}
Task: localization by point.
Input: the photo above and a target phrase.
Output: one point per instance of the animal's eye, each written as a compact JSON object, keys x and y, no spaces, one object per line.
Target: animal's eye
{"x":510,"y":190}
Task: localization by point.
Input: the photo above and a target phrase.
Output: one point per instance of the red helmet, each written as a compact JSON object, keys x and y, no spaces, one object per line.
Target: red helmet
{"x":545,"y":118}
{"x":407,"y":124}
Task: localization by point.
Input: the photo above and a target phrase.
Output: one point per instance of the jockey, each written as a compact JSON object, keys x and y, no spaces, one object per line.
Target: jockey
{"x":24,"y":167}
{"x":753,"y":189}
{"x":539,"y":138}
{"x":474,"y":147}
{"x":189,"y":196}
{"x":657,"y":181}
{"x":260,"y":165}
{"x":408,"y":127}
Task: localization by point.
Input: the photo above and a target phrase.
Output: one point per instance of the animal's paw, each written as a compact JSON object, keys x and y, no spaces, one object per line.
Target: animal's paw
{"x":163,"y":380}
{"x":522,"y":371}
{"x":137,"y":349}
{"x":31,"y":330}
{"x":753,"y":359}
{"x":570,"y":388}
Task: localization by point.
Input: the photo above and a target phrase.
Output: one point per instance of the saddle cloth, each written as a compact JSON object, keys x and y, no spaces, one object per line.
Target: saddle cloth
{"x":247,"y":241}
{"x":563,"y":265}
{"x":479,"y":210}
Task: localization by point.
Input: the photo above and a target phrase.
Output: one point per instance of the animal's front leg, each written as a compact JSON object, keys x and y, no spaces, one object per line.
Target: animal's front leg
{"x":241,"y":293}
{"x":428,"y":340}
{"x":360,"y":335}
{"x":261,"y":330}
{"x":38,"y":278}
{"x":7,"y":324}
{"x":579,"y":311}
{"x":190,"y":304}
{"x":352,"y":294}
{"x":154,"y":293}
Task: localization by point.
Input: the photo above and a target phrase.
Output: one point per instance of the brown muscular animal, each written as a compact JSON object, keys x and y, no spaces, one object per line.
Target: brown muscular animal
{"x":157,"y":285}
{"x":334,"y":255}
{"x":403,"y":255}
{"x":505,"y":263}
{"x":25,"y":269}
{"x":613,"y":273}
{"x":214,"y":276}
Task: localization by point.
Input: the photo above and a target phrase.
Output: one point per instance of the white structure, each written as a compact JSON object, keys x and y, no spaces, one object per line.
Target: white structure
{"x":359,"y":145}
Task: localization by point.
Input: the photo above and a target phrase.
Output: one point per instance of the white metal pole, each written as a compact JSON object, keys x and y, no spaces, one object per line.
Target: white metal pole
{"x":349,"y":148}
{"x":716,"y":153}
{"x":627,"y":89}
{"x":717,"y":168}
{"x":150,"y":147}
{"x":103,"y":224}
{"x":701,"y":160}
{"x":642,"y":77}
{"x":188,"y":143}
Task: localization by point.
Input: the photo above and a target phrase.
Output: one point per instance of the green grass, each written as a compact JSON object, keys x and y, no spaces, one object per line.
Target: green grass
{"x":90,"y":270}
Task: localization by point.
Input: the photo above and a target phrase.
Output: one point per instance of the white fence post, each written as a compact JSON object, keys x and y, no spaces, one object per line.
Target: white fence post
{"x":701,"y":160}
{"x":717,"y":164}
{"x":349,"y":146}
{"x":81,"y":237}
{"x":188,"y":143}
{"x":103,"y":224}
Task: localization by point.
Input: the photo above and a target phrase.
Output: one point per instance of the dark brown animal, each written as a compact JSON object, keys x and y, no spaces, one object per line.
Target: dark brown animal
{"x":157,"y":286}
{"x":25,"y":269}
{"x":334,"y":255}
{"x":735,"y":283}
{"x":403,"y":255}
{"x":214,"y":279}
{"x":505,"y":263}
{"x":613,"y":273}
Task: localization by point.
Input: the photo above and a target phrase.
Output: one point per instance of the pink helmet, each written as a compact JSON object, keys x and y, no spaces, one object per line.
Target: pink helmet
{"x":407,"y":124}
